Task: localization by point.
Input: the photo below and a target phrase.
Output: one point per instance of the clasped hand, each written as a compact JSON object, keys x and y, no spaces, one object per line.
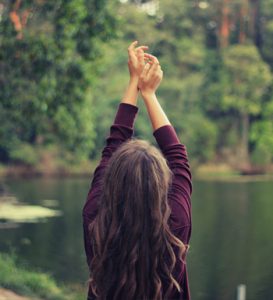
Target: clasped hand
{"x":144,"y":68}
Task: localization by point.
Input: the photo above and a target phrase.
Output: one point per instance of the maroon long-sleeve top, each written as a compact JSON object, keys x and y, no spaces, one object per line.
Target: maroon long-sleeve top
{"x":179,"y":194}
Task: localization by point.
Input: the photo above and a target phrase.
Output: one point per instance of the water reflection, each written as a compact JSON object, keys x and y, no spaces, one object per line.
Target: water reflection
{"x":14,"y":212}
{"x":231,"y":241}
{"x":231,"y":238}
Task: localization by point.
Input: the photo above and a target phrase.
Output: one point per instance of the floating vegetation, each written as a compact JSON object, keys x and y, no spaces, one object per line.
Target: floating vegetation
{"x":12,"y":211}
{"x":50,"y":202}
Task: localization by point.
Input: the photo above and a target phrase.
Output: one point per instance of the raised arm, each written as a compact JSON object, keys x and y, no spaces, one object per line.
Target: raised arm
{"x":120,"y":131}
{"x":135,"y":67}
{"x":171,"y":147}
{"x":149,"y":81}
{"x":122,"y":128}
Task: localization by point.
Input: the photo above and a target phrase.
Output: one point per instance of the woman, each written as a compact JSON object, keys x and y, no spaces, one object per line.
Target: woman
{"x":137,"y":217}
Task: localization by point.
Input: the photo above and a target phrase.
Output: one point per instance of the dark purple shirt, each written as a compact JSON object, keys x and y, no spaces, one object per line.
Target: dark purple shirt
{"x":179,"y":195}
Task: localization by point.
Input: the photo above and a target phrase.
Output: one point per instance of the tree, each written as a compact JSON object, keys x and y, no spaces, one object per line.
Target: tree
{"x":261,"y":134}
{"x":48,"y":63}
{"x":266,"y":31}
{"x":247,"y":79}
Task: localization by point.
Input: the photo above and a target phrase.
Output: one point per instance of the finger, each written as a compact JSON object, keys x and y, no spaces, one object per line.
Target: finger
{"x":152,"y":57}
{"x":145,"y":70}
{"x":155,"y":63}
{"x":155,"y":67}
{"x":139,"y":50}
{"x":132,"y":46}
{"x":142,"y":47}
{"x":140,"y":57}
{"x":147,"y":54}
{"x":147,"y":60}
{"x":131,"y":52}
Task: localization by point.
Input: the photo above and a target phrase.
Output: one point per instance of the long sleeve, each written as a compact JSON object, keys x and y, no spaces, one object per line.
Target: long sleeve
{"x":179,"y":195}
{"x":120,"y":131}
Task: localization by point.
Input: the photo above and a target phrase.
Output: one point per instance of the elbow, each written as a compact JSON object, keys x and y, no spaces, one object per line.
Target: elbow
{"x":90,"y":207}
{"x":84,"y":210}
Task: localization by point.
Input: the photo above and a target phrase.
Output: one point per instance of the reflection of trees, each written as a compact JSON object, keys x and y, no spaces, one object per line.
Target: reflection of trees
{"x":231,"y":222}
{"x":231,"y":237}
{"x":55,"y":245}
{"x":259,"y":241}
{"x":202,"y":260}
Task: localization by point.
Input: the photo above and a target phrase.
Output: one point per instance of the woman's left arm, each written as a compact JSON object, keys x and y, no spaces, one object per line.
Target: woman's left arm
{"x":135,"y":66}
{"x":120,"y":131}
{"x":122,"y":128}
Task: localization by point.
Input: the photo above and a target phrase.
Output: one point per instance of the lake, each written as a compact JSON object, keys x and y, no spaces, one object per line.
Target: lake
{"x":231,"y":243}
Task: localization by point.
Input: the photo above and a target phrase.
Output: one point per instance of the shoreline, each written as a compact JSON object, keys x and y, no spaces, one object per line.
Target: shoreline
{"x":85,"y":169}
{"x":6,"y":294}
{"x":24,"y":282}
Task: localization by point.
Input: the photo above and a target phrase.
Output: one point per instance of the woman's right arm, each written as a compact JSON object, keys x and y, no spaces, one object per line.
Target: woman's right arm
{"x":172,"y":149}
{"x":148,"y":83}
{"x":156,"y":114}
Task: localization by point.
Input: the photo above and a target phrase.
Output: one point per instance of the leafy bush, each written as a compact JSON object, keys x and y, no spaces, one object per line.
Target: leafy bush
{"x":262,"y":136}
{"x":16,"y":276}
{"x":24,"y":153}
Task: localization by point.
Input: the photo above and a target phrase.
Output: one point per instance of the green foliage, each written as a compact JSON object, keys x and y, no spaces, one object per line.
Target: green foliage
{"x":199,"y":136}
{"x":212,"y":87}
{"x":62,"y":82}
{"x":268,"y":43}
{"x":200,"y":85}
{"x":16,"y":276}
{"x":46,"y":74}
{"x":248,"y":77}
{"x":262,"y":136}
{"x":236,"y":83}
{"x":266,"y":28}
{"x":24,"y":153}
{"x":27,"y":282}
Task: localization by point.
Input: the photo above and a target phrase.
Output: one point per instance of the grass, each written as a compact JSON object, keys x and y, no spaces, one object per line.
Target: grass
{"x":214,"y":170}
{"x":19,"y":278}
{"x":50,"y":160}
{"x":224,"y":172}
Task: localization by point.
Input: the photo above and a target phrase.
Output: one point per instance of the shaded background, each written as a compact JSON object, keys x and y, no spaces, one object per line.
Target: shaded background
{"x":63,"y":70}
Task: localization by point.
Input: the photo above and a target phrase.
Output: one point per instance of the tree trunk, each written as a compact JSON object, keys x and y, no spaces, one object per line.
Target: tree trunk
{"x":18,"y":19}
{"x":243,"y":20}
{"x":244,"y":150}
{"x":224,"y":26}
{"x":256,"y":23}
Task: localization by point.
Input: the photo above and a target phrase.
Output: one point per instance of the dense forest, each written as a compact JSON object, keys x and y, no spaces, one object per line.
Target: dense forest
{"x":64,"y":69}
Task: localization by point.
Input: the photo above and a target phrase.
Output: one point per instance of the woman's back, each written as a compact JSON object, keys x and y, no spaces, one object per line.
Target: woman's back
{"x":137,"y":217}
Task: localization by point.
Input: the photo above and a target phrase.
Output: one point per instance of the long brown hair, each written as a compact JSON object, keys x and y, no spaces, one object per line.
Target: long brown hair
{"x":131,"y":238}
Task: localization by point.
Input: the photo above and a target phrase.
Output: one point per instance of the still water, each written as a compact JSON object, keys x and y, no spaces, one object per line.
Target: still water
{"x":231,"y":244}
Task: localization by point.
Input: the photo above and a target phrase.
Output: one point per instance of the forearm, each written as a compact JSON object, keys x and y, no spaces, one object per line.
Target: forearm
{"x":131,"y":92}
{"x":157,"y":115}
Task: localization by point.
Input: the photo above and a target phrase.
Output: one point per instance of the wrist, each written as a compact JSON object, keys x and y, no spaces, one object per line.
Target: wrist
{"x":131,"y":92}
{"x":148,"y":94}
{"x":133,"y":80}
